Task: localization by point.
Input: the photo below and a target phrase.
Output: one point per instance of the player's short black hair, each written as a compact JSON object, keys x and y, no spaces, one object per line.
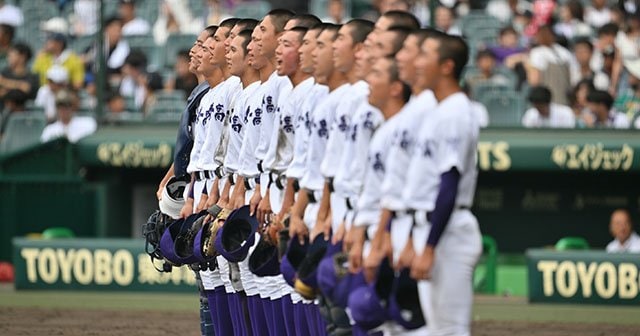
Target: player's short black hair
{"x":402,"y":18}
{"x":360,"y":28}
{"x":211,"y":30}
{"x":539,"y":95}
{"x":330,"y":27}
{"x":279,"y":18}
{"x":136,"y":59}
{"x":301,"y":31}
{"x":229,"y":23}
{"x":423,"y":33}
{"x":306,"y":20}
{"x":400,"y":34}
{"x":184,"y":53}
{"x":249,"y":24}
{"x":453,"y":48}
{"x":22,"y":49}
{"x":600,"y":97}
{"x":245,"y":35}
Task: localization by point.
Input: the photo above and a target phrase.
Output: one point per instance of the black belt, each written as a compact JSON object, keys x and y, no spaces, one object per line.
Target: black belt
{"x":296,"y":185}
{"x":219,"y":172}
{"x":260,"y":167}
{"x":247,"y":185}
{"x":232,"y":181}
{"x":330,"y":182}
{"x":348,"y":203}
{"x":412,"y":212}
{"x":311,"y":196}
{"x":276,"y":178}
{"x":204,"y":174}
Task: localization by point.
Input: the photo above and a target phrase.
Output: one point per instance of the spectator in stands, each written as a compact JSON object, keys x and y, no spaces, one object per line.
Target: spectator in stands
{"x":389,"y":5}
{"x":572,"y":23}
{"x":152,"y":83}
{"x":600,"y":105}
{"x":336,"y":12}
{"x":10,"y":14}
{"x":55,"y":51}
{"x":486,"y":65}
{"x":57,"y":80}
{"x":578,"y":102}
{"x":17,"y":75}
{"x":545,"y":113}
{"x":133,"y":77}
{"x":550,"y":65}
{"x":508,"y":45}
{"x":182,"y":78}
{"x":175,"y":17}
{"x":422,"y":12}
{"x":14,"y":102}
{"x":84,"y":20}
{"x":621,"y":228}
{"x":445,"y":21}
{"x":627,"y":44}
{"x":216,"y":12}
{"x":507,"y":10}
{"x":116,"y":47}
{"x":629,"y":101}
{"x":604,"y":44}
{"x":116,"y":103}
{"x":132,"y":24}
{"x":598,"y":14}
{"x":6,"y":38}
{"x":583,"y":51}
{"x":68,"y":125}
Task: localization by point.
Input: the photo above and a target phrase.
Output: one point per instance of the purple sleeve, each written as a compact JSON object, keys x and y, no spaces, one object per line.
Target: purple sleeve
{"x":190,"y":190}
{"x":204,"y":189}
{"x":445,"y":203}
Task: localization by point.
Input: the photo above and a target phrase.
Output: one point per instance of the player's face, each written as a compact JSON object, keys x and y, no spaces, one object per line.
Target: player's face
{"x":427,"y":64}
{"x":217,"y":55}
{"x":267,"y":38}
{"x":405,"y":58}
{"x":322,"y":60}
{"x":236,"y":57}
{"x":308,"y":45}
{"x":205,"y":54}
{"x":256,"y":60}
{"x":363,"y":58}
{"x":383,"y":46}
{"x":379,"y":83}
{"x":232,"y":34}
{"x":287,"y":53}
{"x":193,"y":52}
{"x":620,"y":226}
{"x":343,"y":56}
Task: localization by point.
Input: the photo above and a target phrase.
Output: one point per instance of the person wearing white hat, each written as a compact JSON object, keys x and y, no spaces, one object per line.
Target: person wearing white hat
{"x":57,"y":79}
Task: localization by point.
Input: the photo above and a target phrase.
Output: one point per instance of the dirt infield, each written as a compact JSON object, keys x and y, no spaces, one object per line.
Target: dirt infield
{"x":72,"y":322}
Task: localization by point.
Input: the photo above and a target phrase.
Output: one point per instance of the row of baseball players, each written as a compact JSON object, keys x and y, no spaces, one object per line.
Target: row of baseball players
{"x":358,"y":131}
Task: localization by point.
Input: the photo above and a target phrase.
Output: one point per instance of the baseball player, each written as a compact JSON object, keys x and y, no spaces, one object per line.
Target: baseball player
{"x":402,"y":146}
{"x":349,"y":40}
{"x":443,"y":174}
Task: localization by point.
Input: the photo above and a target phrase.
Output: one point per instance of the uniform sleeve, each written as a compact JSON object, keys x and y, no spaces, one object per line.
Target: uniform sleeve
{"x":449,"y":144}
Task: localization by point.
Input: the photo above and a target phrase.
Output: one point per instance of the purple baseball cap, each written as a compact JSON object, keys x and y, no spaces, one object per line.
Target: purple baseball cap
{"x":237,"y":235}
{"x":307,"y":282}
{"x":264,"y":260}
{"x":335,"y":281}
{"x":404,"y":302}
{"x":166,"y":242}
{"x":368,"y":303}
{"x":292,"y":259}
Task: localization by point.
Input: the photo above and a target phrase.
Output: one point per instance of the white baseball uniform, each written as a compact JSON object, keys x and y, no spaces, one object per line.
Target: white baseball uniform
{"x":447,"y":139}
{"x":313,"y":180}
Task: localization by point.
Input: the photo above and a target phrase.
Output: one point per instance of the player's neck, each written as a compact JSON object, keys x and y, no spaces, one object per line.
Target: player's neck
{"x":336,"y":79}
{"x":392,"y":107}
{"x":266,"y":71}
{"x":352,"y":76}
{"x":298,"y":77}
{"x":445,"y":88}
{"x":200,"y":77}
{"x":225,"y":72}
{"x":215,"y":78}
{"x":249,"y":76}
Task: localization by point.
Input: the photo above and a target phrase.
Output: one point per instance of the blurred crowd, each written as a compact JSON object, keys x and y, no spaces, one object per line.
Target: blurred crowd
{"x":574,"y":63}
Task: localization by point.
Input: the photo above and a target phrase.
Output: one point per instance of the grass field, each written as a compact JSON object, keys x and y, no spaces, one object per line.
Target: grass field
{"x":492,"y":314}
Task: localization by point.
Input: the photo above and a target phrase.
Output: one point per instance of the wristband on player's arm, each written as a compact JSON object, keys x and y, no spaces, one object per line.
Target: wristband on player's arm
{"x":445,"y":203}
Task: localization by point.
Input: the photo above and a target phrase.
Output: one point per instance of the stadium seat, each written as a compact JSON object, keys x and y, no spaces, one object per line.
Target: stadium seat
{"x":22,"y":130}
{"x":485,"y":280}
{"x":572,"y":243}
{"x":80,"y":44}
{"x":124,"y":117}
{"x":165,"y":113}
{"x":482,"y":89}
{"x":175,"y":43}
{"x":57,"y":232}
{"x":505,"y":108}
{"x":252,"y":9}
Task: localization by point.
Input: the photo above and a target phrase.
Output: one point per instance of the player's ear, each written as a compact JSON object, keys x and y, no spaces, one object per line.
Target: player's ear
{"x":447,"y":67}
